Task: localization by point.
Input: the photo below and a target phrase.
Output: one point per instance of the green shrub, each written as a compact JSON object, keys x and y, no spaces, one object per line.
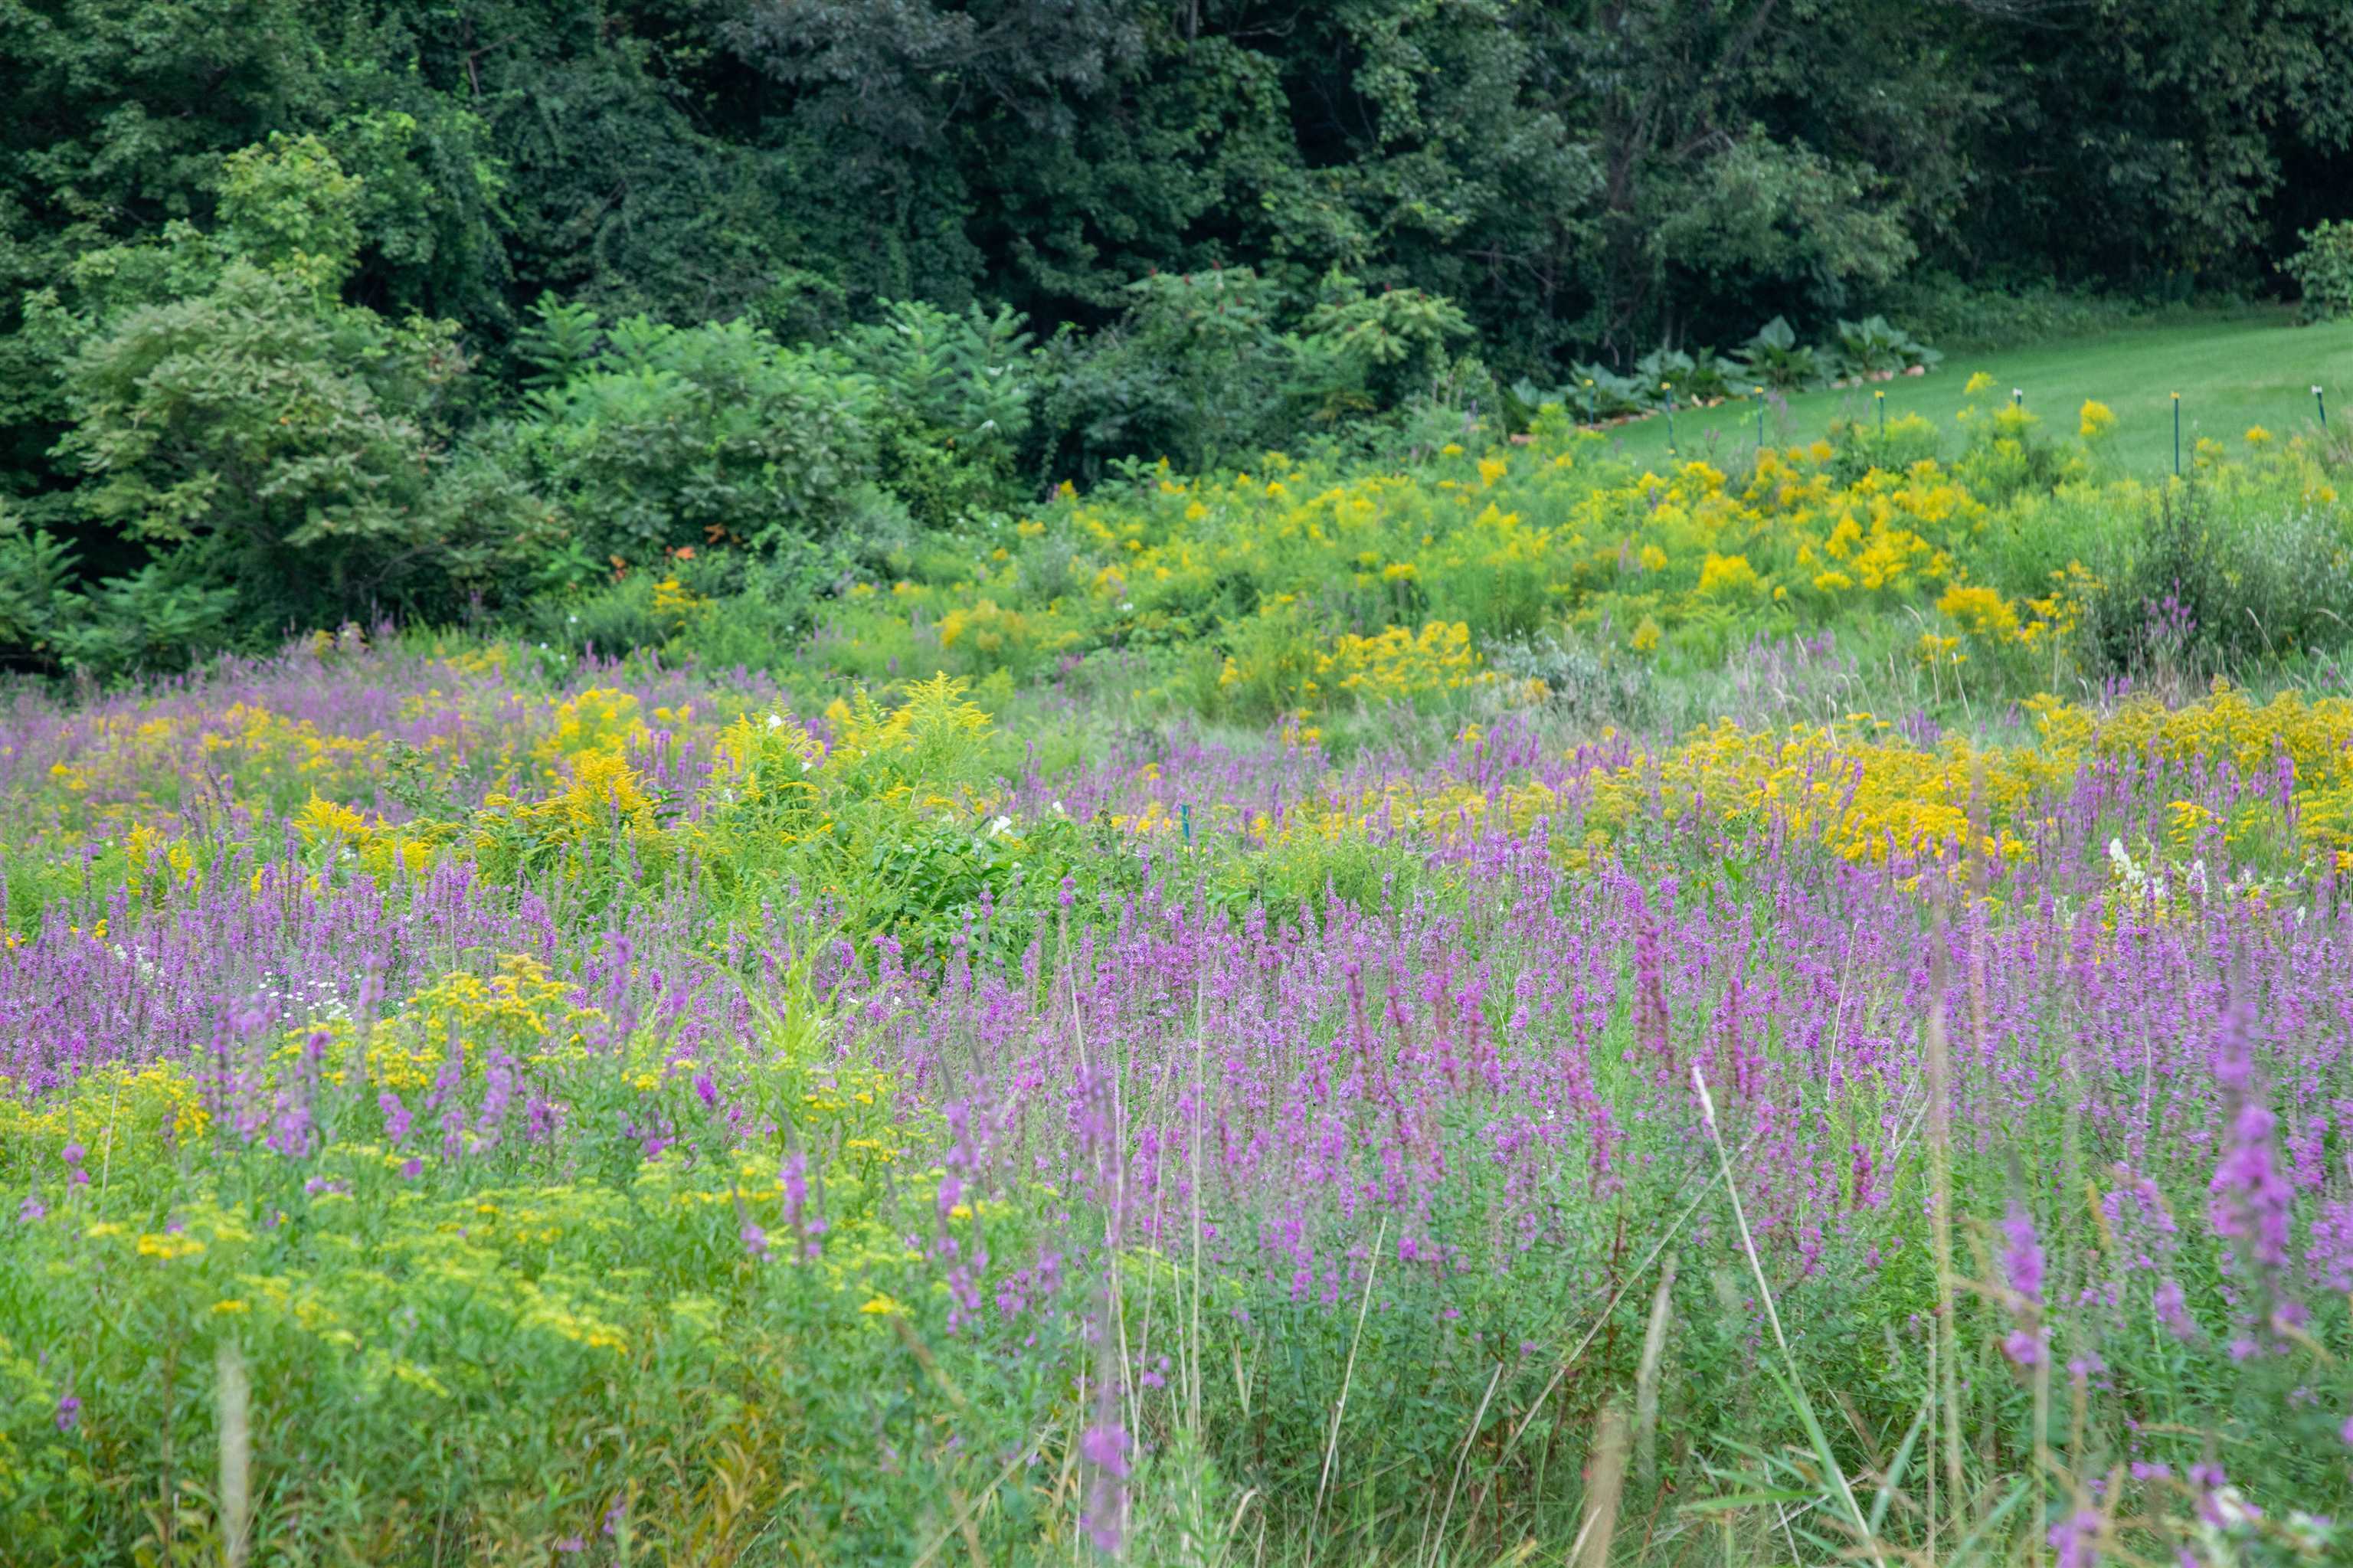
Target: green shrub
{"x":1862,"y":445}
{"x":1214,"y":368}
{"x":280,"y":437}
{"x":1775,"y":358}
{"x":2323,"y":270}
{"x":953,"y":398}
{"x":275,"y":450}
{"x":2214,"y":582}
{"x":659,"y":438}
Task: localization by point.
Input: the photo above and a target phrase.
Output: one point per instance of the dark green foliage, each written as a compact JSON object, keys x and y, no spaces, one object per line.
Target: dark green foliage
{"x":1874,"y":347}
{"x":686,"y":437}
{"x":1218,"y":366}
{"x":280,"y":437}
{"x":275,"y":280}
{"x":953,"y":401}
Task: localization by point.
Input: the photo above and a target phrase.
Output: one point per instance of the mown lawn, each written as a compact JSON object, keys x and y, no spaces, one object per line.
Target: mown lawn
{"x":2233,"y":372}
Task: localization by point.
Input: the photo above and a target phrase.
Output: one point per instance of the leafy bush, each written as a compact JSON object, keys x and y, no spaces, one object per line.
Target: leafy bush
{"x":1699,"y":376}
{"x":1876,"y":348}
{"x":2323,"y":270}
{"x":36,"y":598}
{"x":1775,"y":358}
{"x":2217,"y":579}
{"x":280,"y":438}
{"x":1215,"y":367}
{"x":1194,"y":372}
{"x":953,"y":402}
{"x":1378,"y":350}
{"x":1601,"y":393}
{"x":651,"y":438}
{"x":273,"y":451}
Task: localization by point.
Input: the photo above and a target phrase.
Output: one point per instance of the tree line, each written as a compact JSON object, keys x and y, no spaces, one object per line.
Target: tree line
{"x":1182,"y":225}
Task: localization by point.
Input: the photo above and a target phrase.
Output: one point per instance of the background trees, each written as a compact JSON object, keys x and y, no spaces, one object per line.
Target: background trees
{"x":276,"y":278}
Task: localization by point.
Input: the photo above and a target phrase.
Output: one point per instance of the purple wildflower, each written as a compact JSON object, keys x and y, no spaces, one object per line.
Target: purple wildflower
{"x":2249,"y":1197}
{"x":2073,"y":1539}
{"x":2021,"y":1253}
{"x":2173,"y":1310}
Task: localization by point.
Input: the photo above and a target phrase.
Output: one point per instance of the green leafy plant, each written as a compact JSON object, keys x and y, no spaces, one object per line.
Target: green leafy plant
{"x":1874,"y":347}
{"x":1775,"y":358}
{"x":954,"y":401}
{"x":1385,"y":347}
{"x":1597,"y":391}
{"x":281,"y":437}
{"x":2323,"y":270}
{"x":670,"y":438}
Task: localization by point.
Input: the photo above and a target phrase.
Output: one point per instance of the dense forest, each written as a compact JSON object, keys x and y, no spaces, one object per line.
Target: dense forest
{"x":346,"y":307}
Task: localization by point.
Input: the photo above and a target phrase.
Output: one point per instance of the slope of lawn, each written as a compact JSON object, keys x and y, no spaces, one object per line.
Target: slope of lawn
{"x":2233,"y":372}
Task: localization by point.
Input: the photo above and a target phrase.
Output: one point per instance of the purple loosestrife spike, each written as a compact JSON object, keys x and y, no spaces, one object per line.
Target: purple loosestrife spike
{"x":2021,"y":1254}
{"x":1104,"y":1449}
{"x":2073,"y":1539}
{"x":2250,"y":1198}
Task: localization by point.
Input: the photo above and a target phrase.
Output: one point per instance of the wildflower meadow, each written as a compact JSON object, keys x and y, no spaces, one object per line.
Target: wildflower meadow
{"x":1498,"y":1009}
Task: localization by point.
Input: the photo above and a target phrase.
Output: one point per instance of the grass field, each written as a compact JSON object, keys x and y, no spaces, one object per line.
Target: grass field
{"x":2233,"y":371}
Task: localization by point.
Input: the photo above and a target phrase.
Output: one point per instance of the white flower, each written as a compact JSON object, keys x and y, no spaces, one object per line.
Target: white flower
{"x":775,"y":722}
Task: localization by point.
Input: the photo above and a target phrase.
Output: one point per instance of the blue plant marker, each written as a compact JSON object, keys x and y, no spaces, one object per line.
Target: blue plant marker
{"x":1185,"y":816}
{"x":2177,"y":435}
{"x":1879,"y":398}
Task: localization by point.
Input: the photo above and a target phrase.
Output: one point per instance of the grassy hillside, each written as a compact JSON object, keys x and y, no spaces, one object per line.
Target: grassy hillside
{"x":2233,"y":372}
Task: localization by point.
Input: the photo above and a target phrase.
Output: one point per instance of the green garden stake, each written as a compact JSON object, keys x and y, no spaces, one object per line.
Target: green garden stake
{"x":2018,"y":397}
{"x":1879,"y":398}
{"x":2177,"y":435}
{"x":1669,"y":388}
{"x":2320,"y":401}
{"x":1592,"y":409}
{"x":1760,"y":419}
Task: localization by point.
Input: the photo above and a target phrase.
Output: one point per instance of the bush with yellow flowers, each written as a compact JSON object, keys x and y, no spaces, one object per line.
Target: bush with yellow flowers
{"x":1266,"y":582}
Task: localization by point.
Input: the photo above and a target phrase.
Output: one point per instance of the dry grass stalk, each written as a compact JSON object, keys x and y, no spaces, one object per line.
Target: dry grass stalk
{"x":232,"y":1398}
{"x":1605,"y":1481}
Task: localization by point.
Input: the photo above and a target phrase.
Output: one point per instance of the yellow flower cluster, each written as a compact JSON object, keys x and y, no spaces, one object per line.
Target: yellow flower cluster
{"x":1862,"y":790}
{"x":1396,"y":665}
